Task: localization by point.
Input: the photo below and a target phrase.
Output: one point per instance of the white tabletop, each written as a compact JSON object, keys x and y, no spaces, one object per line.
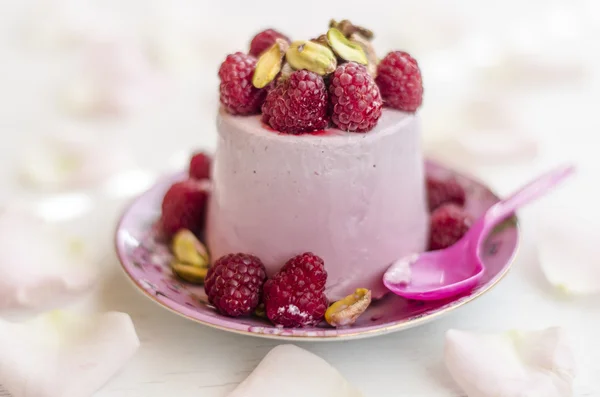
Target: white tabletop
{"x":181,"y":358}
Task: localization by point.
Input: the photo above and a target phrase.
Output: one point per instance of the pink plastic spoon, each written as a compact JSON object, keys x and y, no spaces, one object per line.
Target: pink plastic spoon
{"x":445,"y":273}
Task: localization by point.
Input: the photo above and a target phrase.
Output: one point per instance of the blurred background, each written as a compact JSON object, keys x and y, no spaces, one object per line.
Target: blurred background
{"x":99,"y":98}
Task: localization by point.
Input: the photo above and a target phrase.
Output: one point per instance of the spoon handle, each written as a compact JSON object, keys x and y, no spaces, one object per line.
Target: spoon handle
{"x":530,"y":192}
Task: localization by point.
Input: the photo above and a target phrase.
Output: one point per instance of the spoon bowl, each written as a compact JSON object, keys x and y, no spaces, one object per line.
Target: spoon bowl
{"x":441,"y":274}
{"x":435,"y":275}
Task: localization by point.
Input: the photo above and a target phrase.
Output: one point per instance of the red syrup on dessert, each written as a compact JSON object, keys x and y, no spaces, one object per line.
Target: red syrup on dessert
{"x":321,"y":132}
{"x":315,"y":133}
{"x":268,"y":127}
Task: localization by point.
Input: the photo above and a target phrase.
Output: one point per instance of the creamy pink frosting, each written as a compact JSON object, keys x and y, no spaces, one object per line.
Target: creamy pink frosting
{"x":356,"y":200}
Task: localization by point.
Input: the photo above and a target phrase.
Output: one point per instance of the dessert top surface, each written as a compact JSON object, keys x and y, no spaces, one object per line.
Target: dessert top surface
{"x":391,"y":121}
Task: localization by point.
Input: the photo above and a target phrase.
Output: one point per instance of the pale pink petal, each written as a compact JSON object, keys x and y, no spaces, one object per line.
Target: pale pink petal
{"x":64,"y":354}
{"x":566,"y":225}
{"x":279,"y":371}
{"x":40,"y":266}
{"x":511,"y":364}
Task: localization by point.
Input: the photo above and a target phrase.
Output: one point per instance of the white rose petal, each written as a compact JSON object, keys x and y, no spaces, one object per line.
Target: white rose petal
{"x":64,"y":354}
{"x":511,"y":364}
{"x":566,"y":227}
{"x":294,"y":372}
{"x":40,"y":267}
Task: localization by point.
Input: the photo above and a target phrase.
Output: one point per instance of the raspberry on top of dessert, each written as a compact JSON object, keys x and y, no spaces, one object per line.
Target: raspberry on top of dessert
{"x":334,"y":80}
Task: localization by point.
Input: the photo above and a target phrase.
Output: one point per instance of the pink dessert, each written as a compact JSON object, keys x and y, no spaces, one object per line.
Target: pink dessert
{"x":317,"y":182}
{"x":356,"y":200}
{"x":309,"y":160}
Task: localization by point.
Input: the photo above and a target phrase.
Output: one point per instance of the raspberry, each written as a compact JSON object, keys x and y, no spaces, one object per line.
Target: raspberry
{"x":399,"y":79}
{"x":297,"y":104}
{"x":238,"y":95}
{"x":234,"y":283}
{"x":449,"y":223}
{"x":295,"y":296}
{"x":200,"y":166}
{"x":264,"y":40}
{"x":440,"y":191}
{"x":355,"y":99}
{"x":184,"y":206}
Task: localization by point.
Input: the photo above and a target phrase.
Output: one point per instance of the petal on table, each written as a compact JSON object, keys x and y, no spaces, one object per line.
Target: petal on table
{"x":39,"y":266}
{"x":511,"y":364}
{"x":64,"y":354}
{"x":566,"y":228}
{"x":294,"y":372}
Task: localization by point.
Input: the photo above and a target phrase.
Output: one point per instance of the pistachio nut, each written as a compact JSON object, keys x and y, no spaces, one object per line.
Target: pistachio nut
{"x":188,"y":249}
{"x":190,"y":273}
{"x":286,"y":71}
{"x":347,"y":28}
{"x":311,"y":56}
{"x":346,"y":311}
{"x":269,"y":64}
{"x":322,"y":39}
{"x":369,"y":51}
{"x":260,"y":311}
{"x":346,"y":49}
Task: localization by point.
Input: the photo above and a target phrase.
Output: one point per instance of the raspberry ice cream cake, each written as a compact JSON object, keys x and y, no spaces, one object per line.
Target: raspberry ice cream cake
{"x":317,"y":184}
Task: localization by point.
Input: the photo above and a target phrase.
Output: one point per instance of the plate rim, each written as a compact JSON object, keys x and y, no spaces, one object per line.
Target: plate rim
{"x":383,"y":330}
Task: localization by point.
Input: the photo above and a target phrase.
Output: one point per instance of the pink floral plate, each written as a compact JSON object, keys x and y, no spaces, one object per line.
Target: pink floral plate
{"x":145,"y":260}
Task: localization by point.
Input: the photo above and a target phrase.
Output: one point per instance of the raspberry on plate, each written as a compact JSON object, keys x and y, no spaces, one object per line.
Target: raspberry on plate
{"x":297,"y":104}
{"x":400,"y":82}
{"x":234,"y":284}
{"x":265,"y":39}
{"x":238,"y":95}
{"x":200,"y":166}
{"x":295,"y":296}
{"x":441,"y":191}
{"x":449,"y":223}
{"x":355,"y":99}
{"x":184,"y":207}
